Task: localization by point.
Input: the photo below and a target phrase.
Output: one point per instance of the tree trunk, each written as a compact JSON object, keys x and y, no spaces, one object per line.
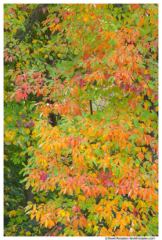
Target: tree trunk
{"x":53,"y":120}
{"x":28,"y":192}
{"x":29,"y":195}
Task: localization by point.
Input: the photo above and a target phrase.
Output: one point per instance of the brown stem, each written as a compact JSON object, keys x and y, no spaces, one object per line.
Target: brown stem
{"x":91,"y":107}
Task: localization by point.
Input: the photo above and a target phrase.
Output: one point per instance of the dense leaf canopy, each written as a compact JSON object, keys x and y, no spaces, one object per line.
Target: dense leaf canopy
{"x":93,"y":68}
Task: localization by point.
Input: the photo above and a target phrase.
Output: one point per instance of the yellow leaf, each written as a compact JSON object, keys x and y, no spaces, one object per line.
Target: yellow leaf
{"x":95,"y":228}
{"x":41,"y":49}
{"x":34,"y":41}
{"x":59,"y":54}
{"x":86,"y":19}
{"x":32,"y":184}
{"x":144,"y":149}
{"x":7,"y":134}
{"x":84,"y":88}
{"x":28,"y":233}
{"x":81,"y":198}
{"x":27,"y":131}
{"x":77,"y":190}
{"x":45,"y":163}
{"x":50,"y":223}
{"x":92,"y":17}
{"x":29,"y":148}
{"x":46,"y":56}
{"x":37,"y":216}
{"x":81,"y":147}
{"x":148,"y":93}
{"x":32,"y":216}
{"x":18,"y":65}
{"x":146,"y":105}
{"x":7,"y":143}
{"x":8,"y":119}
{"x":12,"y":213}
{"x":89,"y":224}
{"x":124,"y":222}
{"x":33,"y":136}
{"x":57,"y":147}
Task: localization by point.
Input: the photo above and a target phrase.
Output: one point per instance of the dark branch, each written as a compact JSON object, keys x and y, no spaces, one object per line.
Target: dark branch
{"x":91,"y":107}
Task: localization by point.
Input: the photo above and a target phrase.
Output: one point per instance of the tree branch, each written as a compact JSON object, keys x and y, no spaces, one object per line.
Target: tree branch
{"x":91,"y":107}
{"x":35,"y":16}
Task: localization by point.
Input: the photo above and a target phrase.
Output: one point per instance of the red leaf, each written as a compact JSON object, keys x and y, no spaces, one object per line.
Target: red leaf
{"x":135,"y":6}
{"x":110,"y":175}
{"x":107,"y":76}
{"x":109,"y":184}
{"x":65,"y":14}
{"x":44,"y":9}
{"x":57,"y":20}
{"x":92,"y":28}
{"x":23,"y":8}
{"x":78,"y":80}
{"x":155,"y":99}
{"x":135,"y":211}
{"x":5,"y":54}
{"x":69,"y":179}
{"x":43,"y":176}
{"x":81,"y":83}
{"x":100,"y":29}
{"x":105,"y":179}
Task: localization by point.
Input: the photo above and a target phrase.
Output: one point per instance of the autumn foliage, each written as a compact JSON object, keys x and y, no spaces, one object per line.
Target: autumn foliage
{"x":97,"y":169}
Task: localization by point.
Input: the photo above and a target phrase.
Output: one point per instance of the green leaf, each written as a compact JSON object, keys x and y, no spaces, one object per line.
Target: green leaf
{"x":27,"y":185}
{"x":19,"y":212}
{"x":92,"y":64}
{"x":97,"y":152}
{"x":137,"y":20}
{"x":104,"y":167}
{"x":138,"y":161}
{"x":151,"y":86}
{"x":96,"y":217}
{"x":94,"y":161}
{"x":50,"y":57}
{"x":24,"y":180}
{"x":130,"y":208}
{"x":117,"y":171}
{"x":135,"y":122}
